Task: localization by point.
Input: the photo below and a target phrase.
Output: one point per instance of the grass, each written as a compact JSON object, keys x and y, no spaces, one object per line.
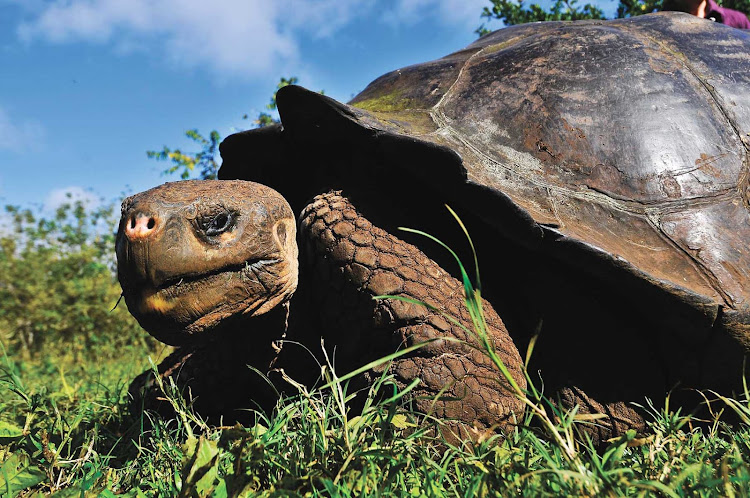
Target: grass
{"x":65,"y":430}
{"x":88,"y":445}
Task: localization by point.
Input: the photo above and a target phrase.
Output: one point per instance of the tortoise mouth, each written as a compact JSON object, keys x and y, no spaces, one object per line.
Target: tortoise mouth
{"x":179,"y":309}
{"x":176,"y":286}
{"x":161,"y":298}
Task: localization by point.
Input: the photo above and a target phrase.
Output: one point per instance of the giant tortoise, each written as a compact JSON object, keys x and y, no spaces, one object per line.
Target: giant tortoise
{"x":600,"y":166}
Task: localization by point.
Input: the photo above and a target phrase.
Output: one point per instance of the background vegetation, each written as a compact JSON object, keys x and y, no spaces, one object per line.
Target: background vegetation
{"x":68,"y":357}
{"x":515,"y":12}
{"x":57,"y":285}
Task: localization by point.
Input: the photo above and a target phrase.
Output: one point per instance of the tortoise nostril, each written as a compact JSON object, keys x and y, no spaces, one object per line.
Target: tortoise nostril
{"x":140,"y":226}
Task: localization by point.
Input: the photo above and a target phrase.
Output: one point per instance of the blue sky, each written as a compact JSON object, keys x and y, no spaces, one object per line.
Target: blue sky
{"x":87,"y":86}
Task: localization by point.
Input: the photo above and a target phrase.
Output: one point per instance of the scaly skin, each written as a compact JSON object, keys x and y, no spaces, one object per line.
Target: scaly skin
{"x":620,"y":417}
{"x":344,"y":252}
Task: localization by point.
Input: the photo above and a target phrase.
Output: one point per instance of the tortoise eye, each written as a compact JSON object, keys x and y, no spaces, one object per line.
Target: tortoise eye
{"x":217,"y":224}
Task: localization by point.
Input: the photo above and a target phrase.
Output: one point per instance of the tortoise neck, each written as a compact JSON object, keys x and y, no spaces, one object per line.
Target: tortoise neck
{"x":257,"y":338}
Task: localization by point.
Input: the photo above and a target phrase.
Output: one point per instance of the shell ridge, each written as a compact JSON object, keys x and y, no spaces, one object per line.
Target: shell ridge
{"x":701,"y":268}
{"x":437,"y":108}
{"x":591,"y":194}
{"x":631,"y":207}
{"x":709,"y":89}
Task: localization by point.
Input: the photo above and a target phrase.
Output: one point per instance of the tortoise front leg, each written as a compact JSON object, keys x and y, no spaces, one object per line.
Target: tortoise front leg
{"x":346,"y":260}
{"x":215,"y":376}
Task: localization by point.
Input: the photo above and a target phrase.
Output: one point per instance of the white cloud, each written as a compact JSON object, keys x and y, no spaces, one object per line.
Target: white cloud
{"x":230,"y":37}
{"x":69,"y":195}
{"x":322,"y":18}
{"x":461,"y":13}
{"x":18,"y":136}
{"x":234,"y":37}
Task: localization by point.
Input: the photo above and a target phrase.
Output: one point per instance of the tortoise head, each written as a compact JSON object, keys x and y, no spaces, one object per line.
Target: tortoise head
{"x":192,"y":255}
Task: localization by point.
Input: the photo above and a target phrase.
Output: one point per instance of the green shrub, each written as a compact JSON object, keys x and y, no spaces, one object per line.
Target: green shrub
{"x":58,"y":285}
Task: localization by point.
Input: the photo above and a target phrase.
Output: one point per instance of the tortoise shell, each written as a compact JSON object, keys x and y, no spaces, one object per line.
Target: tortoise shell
{"x":620,"y":146}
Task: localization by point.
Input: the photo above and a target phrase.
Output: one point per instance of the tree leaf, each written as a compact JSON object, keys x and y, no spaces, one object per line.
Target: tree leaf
{"x":9,"y":432}
{"x":201,"y":472}
{"x":400,"y":421}
{"x":16,"y":475}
